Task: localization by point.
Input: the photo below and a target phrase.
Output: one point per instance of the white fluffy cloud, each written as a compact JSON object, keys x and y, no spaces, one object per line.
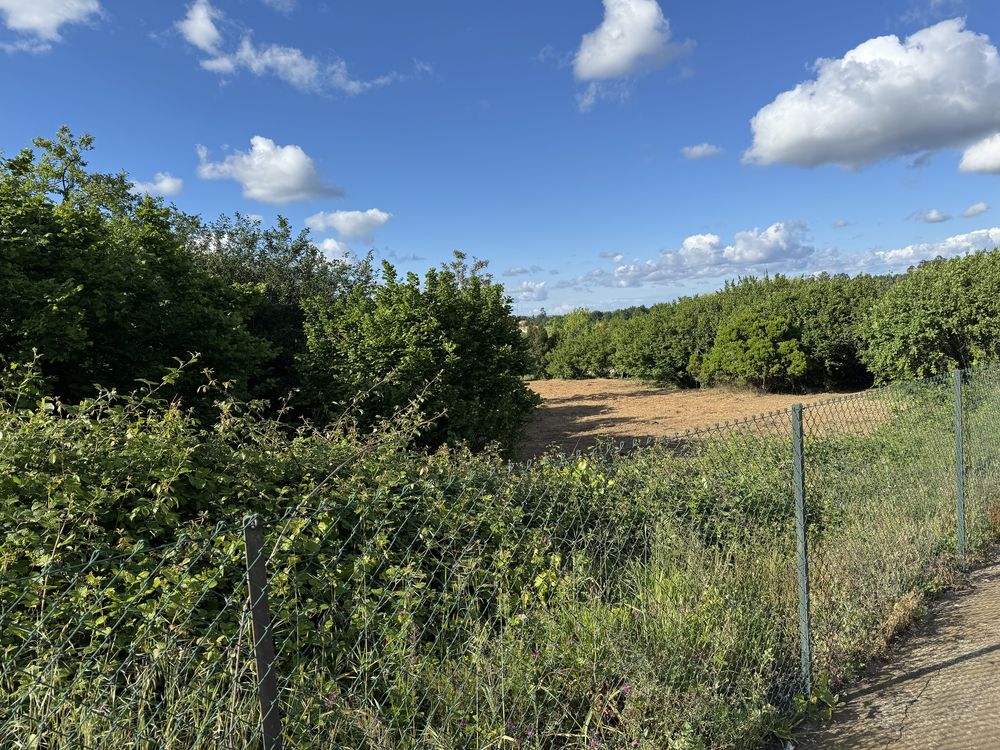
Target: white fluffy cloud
{"x":976,"y":209}
{"x":163,"y":183}
{"x":938,"y":88}
{"x":783,"y":246}
{"x":931,"y":216}
{"x":351,"y":225}
{"x":700,"y":151}
{"x":42,"y":19}
{"x":268,"y":172}
{"x":530,"y":291}
{"x":983,"y":156}
{"x":951,"y":247}
{"x":634,"y":36}
{"x":198,"y":26}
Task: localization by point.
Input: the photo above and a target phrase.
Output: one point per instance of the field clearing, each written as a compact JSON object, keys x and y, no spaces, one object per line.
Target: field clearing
{"x":576,"y":413}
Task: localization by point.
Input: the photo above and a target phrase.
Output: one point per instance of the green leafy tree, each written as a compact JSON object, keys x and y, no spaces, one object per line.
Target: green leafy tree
{"x":539,"y":345}
{"x":944,"y":315}
{"x":281,"y":270}
{"x":751,"y":349}
{"x":98,"y":282}
{"x":449,"y":342}
{"x":582,"y":346}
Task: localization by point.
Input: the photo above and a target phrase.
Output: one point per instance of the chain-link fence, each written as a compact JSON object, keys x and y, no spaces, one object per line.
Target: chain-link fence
{"x":685,"y":593}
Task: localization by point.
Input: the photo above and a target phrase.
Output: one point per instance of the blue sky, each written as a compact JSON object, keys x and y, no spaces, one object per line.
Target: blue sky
{"x":600,"y":153}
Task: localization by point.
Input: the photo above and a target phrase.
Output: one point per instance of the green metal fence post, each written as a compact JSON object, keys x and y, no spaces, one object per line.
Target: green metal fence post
{"x":801,"y":546}
{"x":263,"y":642}
{"x":959,"y":465}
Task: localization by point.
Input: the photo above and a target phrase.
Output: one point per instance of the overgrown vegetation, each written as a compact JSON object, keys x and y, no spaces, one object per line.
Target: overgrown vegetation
{"x":451,"y":599}
{"x":108,"y":288}
{"x":426,"y":593}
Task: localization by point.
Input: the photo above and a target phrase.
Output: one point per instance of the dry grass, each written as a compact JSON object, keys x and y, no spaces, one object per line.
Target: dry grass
{"x":576,"y":413}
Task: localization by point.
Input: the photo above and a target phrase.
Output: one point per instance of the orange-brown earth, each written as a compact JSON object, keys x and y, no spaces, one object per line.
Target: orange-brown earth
{"x":575,"y":413}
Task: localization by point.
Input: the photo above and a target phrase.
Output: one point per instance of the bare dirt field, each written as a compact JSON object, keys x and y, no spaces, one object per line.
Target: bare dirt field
{"x":575,"y":413}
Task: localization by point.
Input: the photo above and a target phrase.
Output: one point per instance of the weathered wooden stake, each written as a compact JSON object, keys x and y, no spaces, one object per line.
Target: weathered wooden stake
{"x":263,"y":642}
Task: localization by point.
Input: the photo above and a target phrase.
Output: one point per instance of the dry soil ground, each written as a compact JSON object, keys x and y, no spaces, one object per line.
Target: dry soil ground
{"x":575,"y":413}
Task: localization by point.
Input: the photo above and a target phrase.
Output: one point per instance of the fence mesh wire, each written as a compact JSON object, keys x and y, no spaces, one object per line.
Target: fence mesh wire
{"x":620,"y":598}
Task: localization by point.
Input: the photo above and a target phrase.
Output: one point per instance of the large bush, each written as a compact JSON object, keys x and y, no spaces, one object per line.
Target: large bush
{"x":751,"y":349}
{"x":944,"y":315}
{"x":280,"y":270}
{"x":99,"y":283}
{"x":449,"y":343}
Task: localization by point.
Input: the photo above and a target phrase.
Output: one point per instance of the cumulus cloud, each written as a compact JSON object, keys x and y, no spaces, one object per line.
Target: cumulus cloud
{"x":41,"y":20}
{"x":904,"y":257}
{"x":937,"y":88}
{"x":634,"y":37}
{"x":983,"y":156}
{"x":530,"y":291}
{"x":268,"y":172}
{"x":976,"y":209}
{"x":351,"y":225}
{"x":198,"y":26}
{"x":783,"y":246}
{"x":841,"y":223}
{"x":931,"y":216}
{"x":700,"y":151}
{"x":163,"y":183}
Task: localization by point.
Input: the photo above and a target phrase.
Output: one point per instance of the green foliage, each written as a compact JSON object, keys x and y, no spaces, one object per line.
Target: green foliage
{"x":659,"y":344}
{"x":104,"y":287}
{"x":99,"y":284}
{"x":452,"y":599}
{"x":942,"y":316}
{"x":751,"y":349}
{"x":449,"y":342}
{"x":582,"y":348}
{"x":281,"y":272}
{"x":539,"y":346}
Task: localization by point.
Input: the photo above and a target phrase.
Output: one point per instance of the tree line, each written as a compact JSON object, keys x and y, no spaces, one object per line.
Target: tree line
{"x":102,"y":287}
{"x":780,"y":333}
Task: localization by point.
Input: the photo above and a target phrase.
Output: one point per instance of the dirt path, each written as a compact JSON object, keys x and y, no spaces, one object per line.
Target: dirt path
{"x":941,"y":690}
{"x":576,"y":412}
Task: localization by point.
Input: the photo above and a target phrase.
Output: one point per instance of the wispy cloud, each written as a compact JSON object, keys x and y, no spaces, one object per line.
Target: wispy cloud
{"x":201,"y":28}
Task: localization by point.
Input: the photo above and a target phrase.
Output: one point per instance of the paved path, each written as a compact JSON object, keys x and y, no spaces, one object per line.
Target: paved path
{"x":940,"y":690}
